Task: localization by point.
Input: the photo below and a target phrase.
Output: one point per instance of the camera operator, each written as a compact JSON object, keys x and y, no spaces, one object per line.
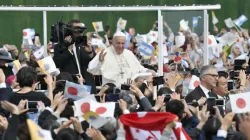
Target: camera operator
{"x":73,"y":54}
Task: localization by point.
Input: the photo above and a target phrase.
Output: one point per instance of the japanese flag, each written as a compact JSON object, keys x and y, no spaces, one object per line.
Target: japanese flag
{"x":211,"y":40}
{"x":240,"y":103}
{"x":28,"y":33}
{"x":103,"y":109}
{"x":76,"y":91}
{"x":194,"y":82}
{"x":152,"y":36}
{"x":89,"y":103}
{"x":83,"y":105}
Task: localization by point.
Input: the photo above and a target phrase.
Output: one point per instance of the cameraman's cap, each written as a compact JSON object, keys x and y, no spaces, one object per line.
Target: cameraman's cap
{"x":120,"y":34}
{"x":141,"y":75}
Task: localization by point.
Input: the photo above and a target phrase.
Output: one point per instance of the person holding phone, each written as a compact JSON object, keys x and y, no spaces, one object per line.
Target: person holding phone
{"x":26,"y":77}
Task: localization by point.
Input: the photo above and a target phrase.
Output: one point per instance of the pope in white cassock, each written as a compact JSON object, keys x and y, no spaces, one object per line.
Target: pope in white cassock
{"x":116,"y":64}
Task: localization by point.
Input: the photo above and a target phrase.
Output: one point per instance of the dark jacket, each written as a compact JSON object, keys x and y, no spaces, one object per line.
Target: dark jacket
{"x":196,"y":94}
{"x":66,"y":61}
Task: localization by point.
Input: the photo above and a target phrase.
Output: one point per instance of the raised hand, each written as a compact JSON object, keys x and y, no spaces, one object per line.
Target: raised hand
{"x":102,"y":55}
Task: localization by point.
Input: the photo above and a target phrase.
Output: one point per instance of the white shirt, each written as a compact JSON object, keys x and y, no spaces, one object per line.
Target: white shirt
{"x":205,"y":90}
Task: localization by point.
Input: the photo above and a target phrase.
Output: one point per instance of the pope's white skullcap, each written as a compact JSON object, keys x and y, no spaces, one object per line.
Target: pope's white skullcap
{"x":120,"y":34}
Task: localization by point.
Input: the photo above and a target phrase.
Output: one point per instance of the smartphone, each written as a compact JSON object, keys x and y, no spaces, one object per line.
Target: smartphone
{"x":31,"y":105}
{"x":112,"y":98}
{"x":167,"y":98}
{"x":108,"y":98}
{"x":239,"y":62}
{"x":211,"y":102}
{"x":125,"y":87}
{"x":230,"y":85}
{"x":158,"y":80}
{"x":220,"y":102}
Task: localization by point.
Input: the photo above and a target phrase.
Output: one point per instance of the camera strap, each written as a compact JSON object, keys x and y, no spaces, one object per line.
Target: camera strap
{"x":77,"y":61}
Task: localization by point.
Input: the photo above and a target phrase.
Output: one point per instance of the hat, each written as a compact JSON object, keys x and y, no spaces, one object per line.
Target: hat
{"x":4,"y":55}
{"x":121,"y":34}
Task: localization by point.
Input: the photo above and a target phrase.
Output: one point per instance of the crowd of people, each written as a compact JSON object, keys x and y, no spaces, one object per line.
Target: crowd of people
{"x":144,"y":100}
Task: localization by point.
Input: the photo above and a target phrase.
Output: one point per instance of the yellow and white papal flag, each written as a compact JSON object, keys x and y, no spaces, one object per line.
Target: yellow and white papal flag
{"x":37,"y":133}
{"x":121,"y":24}
{"x":214,"y":18}
{"x":98,"y":26}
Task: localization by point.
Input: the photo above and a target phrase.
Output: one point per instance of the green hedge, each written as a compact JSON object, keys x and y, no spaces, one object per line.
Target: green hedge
{"x":12,"y":23}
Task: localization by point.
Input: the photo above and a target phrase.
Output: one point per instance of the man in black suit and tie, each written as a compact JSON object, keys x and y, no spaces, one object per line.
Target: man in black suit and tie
{"x":208,"y":79}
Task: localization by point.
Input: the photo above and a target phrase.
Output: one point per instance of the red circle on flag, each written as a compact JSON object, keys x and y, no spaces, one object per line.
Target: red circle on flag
{"x":210,"y":41}
{"x":85,"y":107}
{"x":196,"y":83}
{"x":100,"y":110}
{"x":25,"y":33}
{"x":72,"y":91}
{"x":241,"y":103}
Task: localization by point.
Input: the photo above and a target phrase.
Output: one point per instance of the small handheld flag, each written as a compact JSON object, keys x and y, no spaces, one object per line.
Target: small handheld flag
{"x":98,"y":26}
{"x":240,"y":103}
{"x":214,"y":18}
{"x":239,"y":21}
{"x":76,"y":91}
{"x":146,"y":49}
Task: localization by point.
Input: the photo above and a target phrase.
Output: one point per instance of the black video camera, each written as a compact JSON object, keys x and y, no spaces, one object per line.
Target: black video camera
{"x":60,"y":30}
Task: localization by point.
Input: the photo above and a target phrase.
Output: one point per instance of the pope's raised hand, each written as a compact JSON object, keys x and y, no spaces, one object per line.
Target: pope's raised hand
{"x":102,"y":55}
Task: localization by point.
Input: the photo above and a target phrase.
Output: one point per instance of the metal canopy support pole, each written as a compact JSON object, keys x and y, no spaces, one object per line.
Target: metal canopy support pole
{"x":205,"y":51}
{"x":160,"y":44}
{"x":45,"y":32}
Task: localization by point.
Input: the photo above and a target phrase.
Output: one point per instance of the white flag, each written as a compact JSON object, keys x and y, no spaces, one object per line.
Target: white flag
{"x":47,"y":65}
{"x":228,"y":38}
{"x":121,"y":24}
{"x":184,"y":24}
{"x":39,"y":53}
{"x":240,"y":103}
{"x":229,"y":23}
{"x":214,"y":18}
{"x":194,"y":82}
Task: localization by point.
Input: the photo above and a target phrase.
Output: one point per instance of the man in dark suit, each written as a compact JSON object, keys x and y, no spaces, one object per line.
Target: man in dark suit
{"x":208,"y":79}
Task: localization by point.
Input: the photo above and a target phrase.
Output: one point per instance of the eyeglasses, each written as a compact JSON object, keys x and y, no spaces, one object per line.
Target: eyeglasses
{"x":213,"y":75}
